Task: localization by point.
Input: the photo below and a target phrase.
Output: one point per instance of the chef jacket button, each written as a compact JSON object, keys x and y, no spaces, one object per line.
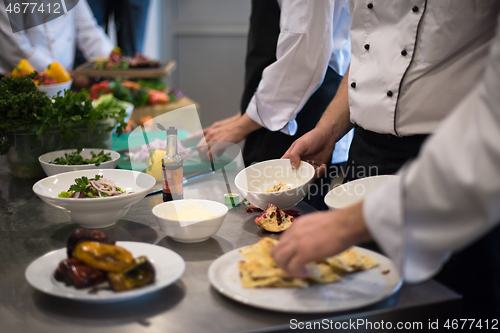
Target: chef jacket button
{"x":389,"y":93}
{"x":404,"y":53}
{"x":353,"y":85}
{"x":367,"y":47}
{"x":370,"y":5}
{"x":415,"y":9}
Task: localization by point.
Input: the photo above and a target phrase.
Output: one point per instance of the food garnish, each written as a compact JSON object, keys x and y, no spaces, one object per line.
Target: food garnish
{"x":274,"y":219}
{"x":96,"y":187}
{"x":259,"y":270}
{"x":75,"y":158}
{"x":279,"y":186}
{"x":117,"y":61}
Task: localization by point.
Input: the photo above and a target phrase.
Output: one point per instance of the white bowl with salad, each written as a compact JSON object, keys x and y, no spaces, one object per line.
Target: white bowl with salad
{"x":60,"y":161}
{"x":94,"y":198}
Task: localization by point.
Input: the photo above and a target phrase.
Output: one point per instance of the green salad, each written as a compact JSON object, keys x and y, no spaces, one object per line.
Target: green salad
{"x":76,"y":159}
{"x":97,"y":187}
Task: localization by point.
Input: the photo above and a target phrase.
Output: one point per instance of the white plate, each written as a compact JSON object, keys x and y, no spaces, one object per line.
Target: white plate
{"x":169,"y":267}
{"x":355,"y":191}
{"x":353,"y":291}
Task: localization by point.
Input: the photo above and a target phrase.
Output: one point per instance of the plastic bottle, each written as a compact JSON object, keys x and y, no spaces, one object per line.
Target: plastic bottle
{"x":172,"y":169}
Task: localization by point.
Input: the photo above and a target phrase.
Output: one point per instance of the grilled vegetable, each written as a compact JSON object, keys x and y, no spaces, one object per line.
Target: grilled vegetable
{"x":83,"y":234}
{"x":107,"y":257}
{"x":140,"y":275}
{"x":74,"y":272}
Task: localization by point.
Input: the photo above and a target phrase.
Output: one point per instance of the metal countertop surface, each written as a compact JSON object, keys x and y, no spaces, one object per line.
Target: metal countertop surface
{"x":30,"y":228}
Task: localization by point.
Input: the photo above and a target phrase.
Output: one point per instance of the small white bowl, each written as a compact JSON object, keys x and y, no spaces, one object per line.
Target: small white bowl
{"x":53,"y":89}
{"x":355,"y":191}
{"x":189,"y":231}
{"x":54,"y":169}
{"x":255,"y":180}
{"x":95,"y":212}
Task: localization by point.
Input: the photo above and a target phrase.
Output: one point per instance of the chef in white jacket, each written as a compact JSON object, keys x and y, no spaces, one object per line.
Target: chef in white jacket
{"x":409,"y":71}
{"x":53,"y":41}
{"x":297,"y":53}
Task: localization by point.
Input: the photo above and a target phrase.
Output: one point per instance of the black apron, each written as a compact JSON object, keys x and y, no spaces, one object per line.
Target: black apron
{"x":262,"y":145}
{"x":475,"y":271}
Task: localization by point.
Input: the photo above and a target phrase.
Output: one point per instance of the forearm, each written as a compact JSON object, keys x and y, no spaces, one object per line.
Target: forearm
{"x":246,"y":125}
{"x":336,"y":118}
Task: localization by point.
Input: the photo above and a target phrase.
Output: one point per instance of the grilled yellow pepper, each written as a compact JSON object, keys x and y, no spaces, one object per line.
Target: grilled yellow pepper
{"x":58,"y":72}
{"x":139,"y":275}
{"x":107,"y":257}
{"x":23,"y":67}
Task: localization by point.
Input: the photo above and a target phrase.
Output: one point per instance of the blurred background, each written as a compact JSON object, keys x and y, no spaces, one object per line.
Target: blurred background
{"x":207,"y":39}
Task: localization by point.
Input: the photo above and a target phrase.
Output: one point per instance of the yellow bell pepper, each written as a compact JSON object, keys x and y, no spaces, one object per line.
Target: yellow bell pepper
{"x":23,"y":67}
{"x":107,"y":257}
{"x":58,"y":72}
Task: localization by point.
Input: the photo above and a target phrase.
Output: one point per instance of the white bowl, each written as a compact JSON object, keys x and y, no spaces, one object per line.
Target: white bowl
{"x":355,"y":191}
{"x":95,"y":212}
{"x":53,"y":89}
{"x":54,"y":169}
{"x":189,"y":231}
{"x":255,"y":180}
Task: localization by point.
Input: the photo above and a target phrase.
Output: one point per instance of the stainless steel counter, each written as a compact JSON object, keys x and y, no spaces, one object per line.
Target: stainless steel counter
{"x":30,"y":228}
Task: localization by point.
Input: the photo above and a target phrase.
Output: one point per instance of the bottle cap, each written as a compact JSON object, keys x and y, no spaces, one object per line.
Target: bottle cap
{"x":172,"y":131}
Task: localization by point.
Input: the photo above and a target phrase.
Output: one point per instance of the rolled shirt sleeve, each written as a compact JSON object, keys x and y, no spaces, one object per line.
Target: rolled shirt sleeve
{"x":450,"y":196}
{"x":303,"y":53}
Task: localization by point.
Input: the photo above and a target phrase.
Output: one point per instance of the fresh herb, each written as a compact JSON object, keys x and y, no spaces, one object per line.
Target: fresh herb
{"x":21,"y":106}
{"x":75,"y":109}
{"x":65,"y":194}
{"x":138,"y":97}
{"x":156,"y":84}
{"x":24,"y":107}
{"x":82,"y":183}
{"x":76,"y":159}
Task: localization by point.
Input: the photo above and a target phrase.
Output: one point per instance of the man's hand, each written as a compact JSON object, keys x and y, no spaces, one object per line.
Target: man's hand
{"x":316,"y":147}
{"x":231,"y":130}
{"x":319,"y":235}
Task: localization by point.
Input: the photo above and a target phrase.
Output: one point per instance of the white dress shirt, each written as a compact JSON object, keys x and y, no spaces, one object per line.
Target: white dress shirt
{"x":414,"y":60}
{"x":55,"y":40}
{"x":450,"y":196}
{"x":313,"y":36}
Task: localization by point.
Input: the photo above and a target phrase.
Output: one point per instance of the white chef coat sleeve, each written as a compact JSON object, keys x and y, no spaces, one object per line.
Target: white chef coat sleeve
{"x":450,"y":196}
{"x":303,"y":53}
{"x":16,"y":46}
{"x":91,"y":38}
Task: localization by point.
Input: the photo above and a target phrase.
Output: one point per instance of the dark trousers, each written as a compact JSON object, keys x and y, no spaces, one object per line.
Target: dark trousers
{"x":373,"y":154}
{"x":473,"y":272}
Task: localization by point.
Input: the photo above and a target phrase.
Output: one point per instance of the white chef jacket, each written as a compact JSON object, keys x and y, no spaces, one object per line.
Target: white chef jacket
{"x":55,"y":40}
{"x":313,"y":36}
{"x":450,"y":196}
{"x":414,"y":60}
